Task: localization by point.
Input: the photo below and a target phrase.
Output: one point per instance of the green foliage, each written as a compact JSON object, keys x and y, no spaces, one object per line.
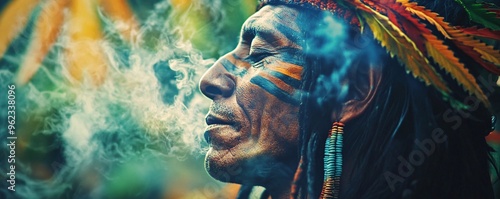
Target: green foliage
{"x":479,"y":14}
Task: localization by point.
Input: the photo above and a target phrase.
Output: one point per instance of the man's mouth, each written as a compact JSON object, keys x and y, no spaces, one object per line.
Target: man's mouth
{"x":212,"y":122}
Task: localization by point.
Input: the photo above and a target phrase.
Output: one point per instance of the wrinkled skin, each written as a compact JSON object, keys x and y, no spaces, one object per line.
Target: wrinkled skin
{"x":253,"y":122}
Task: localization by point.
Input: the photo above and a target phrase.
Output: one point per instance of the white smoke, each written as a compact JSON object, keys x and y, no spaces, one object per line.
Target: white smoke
{"x":136,"y":128}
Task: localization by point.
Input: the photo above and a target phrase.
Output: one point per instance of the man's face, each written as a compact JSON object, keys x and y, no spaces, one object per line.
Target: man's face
{"x":253,"y":120}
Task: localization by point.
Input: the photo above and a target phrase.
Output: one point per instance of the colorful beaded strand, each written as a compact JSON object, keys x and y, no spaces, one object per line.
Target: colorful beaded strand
{"x":333,"y":162}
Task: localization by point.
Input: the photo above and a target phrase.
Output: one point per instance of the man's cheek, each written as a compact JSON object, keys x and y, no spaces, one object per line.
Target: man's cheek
{"x":288,"y":119}
{"x":250,"y":95}
{"x":282,"y":119}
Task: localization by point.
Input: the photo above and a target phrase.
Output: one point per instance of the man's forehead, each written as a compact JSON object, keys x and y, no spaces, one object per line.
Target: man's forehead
{"x":275,"y":14}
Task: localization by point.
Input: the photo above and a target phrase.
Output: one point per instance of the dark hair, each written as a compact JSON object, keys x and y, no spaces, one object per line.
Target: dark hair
{"x":403,"y":112}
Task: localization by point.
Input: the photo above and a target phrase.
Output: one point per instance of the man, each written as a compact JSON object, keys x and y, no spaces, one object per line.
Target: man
{"x":309,"y":105}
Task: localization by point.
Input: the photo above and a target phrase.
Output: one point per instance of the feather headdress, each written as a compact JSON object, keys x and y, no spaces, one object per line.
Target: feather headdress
{"x":404,"y":29}
{"x":424,"y":43}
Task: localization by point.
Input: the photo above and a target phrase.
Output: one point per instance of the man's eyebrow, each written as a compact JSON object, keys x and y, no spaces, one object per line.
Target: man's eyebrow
{"x":272,"y":32}
{"x":248,"y":29}
{"x":289,"y":33}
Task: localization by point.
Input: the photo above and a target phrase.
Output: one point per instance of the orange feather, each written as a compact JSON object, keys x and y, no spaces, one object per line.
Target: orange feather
{"x":47,"y":28}
{"x":13,"y":20}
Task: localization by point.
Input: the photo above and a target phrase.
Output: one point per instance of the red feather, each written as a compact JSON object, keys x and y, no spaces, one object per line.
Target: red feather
{"x":476,"y":56}
{"x":405,"y":21}
{"x":482,"y":32}
{"x":458,"y":38}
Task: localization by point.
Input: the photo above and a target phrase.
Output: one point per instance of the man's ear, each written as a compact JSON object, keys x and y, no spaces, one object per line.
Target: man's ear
{"x":364,"y":81}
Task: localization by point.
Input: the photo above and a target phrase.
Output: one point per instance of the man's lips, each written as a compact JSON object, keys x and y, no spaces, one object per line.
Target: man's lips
{"x":213,"y":121}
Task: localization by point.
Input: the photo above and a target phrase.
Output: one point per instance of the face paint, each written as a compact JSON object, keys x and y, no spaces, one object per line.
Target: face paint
{"x":253,"y":119}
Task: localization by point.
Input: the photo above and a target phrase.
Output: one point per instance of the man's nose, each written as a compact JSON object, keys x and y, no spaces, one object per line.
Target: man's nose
{"x":217,"y":82}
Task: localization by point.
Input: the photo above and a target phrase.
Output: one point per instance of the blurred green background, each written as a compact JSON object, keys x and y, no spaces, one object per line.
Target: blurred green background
{"x":133,"y":129}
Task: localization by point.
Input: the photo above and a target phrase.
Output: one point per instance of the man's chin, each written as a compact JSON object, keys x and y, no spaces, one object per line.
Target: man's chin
{"x":241,"y":166}
{"x":222,"y":165}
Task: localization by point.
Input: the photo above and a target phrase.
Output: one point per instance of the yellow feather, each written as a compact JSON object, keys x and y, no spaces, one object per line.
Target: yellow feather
{"x":431,"y":19}
{"x":445,"y":59}
{"x":397,"y":43}
{"x":45,"y":33}
{"x":487,"y":52}
{"x":119,"y":10}
{"x":13,"y":19}
{"x":84,"y":53}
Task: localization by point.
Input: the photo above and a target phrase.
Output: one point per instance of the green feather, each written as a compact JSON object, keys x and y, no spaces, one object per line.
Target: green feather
{"x":478,"y":14}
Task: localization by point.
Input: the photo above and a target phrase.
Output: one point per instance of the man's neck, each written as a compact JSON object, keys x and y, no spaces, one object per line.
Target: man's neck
{"x":280,"y":188}
{"x":280,"y":193}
